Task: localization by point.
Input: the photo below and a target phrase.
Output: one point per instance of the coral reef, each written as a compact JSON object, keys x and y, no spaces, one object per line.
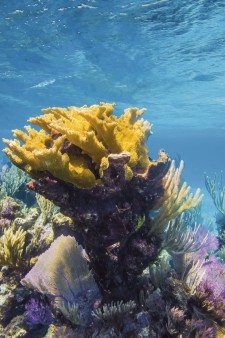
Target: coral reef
{"x":124,"y":257}
{"x":95,"y":167}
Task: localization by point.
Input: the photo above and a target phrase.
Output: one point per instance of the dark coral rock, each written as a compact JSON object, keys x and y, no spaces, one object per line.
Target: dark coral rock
{"x":156,"y":308}
{"x":12,"y":298}
{"x":16,"y":328}
{"x":106,"y":217}
{"x":138,"y":253}
{"x":62,"y":225}
{"x":176,"y":293}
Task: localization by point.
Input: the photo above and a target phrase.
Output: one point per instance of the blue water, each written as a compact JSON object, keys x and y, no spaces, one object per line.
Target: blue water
{"x":167,"y":56}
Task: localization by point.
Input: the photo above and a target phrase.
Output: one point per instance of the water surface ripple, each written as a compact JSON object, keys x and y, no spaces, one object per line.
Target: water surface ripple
{"x":167,"y":56}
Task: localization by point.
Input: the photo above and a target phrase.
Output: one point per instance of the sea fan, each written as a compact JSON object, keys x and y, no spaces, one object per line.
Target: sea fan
{"x":62,"y":272}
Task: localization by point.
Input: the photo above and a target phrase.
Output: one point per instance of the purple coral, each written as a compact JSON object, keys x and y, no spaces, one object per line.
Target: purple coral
{"x":214,"y":274}
{"x":211,"y":244}
{"x":211,"y":304}
{"x":209,"y":299}
{"x":38,"y":312}
{"x":7,"y":208}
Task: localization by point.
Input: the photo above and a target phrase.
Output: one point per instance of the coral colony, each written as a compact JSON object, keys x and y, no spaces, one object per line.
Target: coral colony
{"x":111,"y":247}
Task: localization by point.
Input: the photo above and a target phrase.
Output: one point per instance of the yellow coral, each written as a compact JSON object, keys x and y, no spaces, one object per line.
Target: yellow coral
{"x":47,"y":208}
{"x":92,"y":129}
{"x":175,"y":200}
{"x":11,"y":247}
{"x":220,"y":331}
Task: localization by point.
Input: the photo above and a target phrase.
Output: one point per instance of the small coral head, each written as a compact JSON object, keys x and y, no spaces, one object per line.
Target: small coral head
{"x":74,"y":144}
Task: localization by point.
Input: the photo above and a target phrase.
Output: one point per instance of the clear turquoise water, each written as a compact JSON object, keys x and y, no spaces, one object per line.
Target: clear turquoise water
{"x":167,"y":56}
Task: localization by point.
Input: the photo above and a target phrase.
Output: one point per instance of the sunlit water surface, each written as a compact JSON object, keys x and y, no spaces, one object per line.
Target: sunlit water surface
{"x":167,"y":56}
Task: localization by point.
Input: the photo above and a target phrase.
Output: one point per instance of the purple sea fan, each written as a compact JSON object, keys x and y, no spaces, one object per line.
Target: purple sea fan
{"x":214,"y":274}
{"x":210,"y":303}
{"x":211,"y":244}
{"x":38,"y":312}
{"x":209,"y":299}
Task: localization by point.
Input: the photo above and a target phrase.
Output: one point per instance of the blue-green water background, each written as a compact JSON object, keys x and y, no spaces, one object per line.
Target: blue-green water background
{"x":167,"y":56}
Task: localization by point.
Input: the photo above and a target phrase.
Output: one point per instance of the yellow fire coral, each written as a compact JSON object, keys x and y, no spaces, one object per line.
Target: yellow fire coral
{"x":95,"y":133}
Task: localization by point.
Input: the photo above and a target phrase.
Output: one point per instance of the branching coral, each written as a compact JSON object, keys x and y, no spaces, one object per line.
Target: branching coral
{"x":114,"y":311}
{"x":47,"y":207}
{"x":90,"y":133}
{"x":71,"y":312}
{"x":217,"y":192}
{"x":193,"y":275}
{"x":158,"y":273}
{"x":180,"y":239}
{"x":27,"y":219}
{"x":11,"y":247}
{"x":176,"y":199}
{"x":190,"y":268}
{"x":193,"y":216}
{"x":175,"y":316}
